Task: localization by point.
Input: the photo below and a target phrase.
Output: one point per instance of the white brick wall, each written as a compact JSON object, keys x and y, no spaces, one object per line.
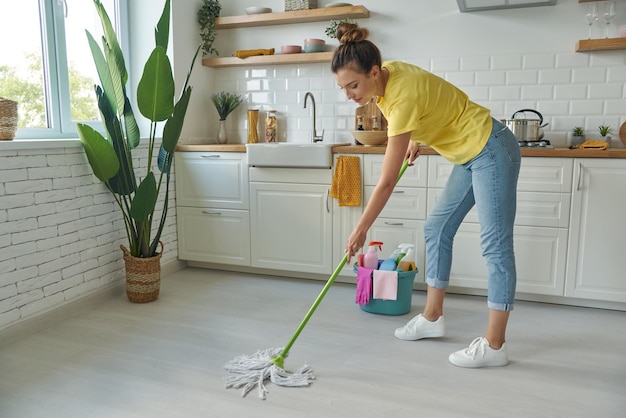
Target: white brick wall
{"x":60,"y":231}
{"x":569,"y":89}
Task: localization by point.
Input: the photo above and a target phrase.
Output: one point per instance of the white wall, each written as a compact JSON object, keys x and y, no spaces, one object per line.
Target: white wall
{"x":504,"y":59}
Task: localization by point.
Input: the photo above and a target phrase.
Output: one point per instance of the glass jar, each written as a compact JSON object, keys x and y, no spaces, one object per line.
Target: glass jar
{"x":253,"y":126}
{"x":270,"y":126}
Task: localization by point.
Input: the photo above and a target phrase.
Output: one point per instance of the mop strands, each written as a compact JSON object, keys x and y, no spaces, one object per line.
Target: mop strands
{"x":254,"y":370}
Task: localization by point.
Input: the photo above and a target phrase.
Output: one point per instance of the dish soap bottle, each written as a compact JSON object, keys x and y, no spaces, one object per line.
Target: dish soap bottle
{"x":405,"y":260}
{"x":370,"y":260}
{"x":391,"y":262}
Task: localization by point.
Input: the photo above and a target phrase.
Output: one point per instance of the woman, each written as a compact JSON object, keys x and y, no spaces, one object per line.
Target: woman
{"x":422,"y":108}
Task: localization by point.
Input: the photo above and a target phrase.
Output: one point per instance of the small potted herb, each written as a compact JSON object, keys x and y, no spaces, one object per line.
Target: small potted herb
{"x":576,"y":136}
{"x":605,"y":132}
{"x":331,"y":30}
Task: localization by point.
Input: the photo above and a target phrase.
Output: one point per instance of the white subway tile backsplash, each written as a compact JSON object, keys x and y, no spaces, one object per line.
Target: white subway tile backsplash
{"x":606,"y":91}
{"x":506,"y":62}
{"x":538,"y":61}
{"x":490,"y":78}
{"x":586,"y":107}
{"x":555,"y":76}
{"x":537,"y":92}
{"x":442,"y":65}
{"x":571,"y":92}
{"x":588,"y":75}
{"x":505,"y":93}
{"x":522,"y":77}
{"x":475,"y":63}
{"x":572,"y":60}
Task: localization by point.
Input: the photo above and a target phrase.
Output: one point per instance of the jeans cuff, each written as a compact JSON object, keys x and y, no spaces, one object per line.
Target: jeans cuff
{"x":500,"y":306}
{"x":437,"y":283}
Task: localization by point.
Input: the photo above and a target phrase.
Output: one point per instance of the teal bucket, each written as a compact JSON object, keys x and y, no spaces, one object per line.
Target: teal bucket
{"x":402,"y":304}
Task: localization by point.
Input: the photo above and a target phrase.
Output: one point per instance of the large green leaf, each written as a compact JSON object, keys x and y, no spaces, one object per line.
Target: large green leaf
{"x":101,"y":155}
{"x":102,"y":67}
{"x":155,"y":92}
{"x":145,"y":199}
{"x":132,"y":130}
{"x":162,"y":30}
{"x":117,"y":81}
{"x":111,"y":39}
{"x":174,"y":125}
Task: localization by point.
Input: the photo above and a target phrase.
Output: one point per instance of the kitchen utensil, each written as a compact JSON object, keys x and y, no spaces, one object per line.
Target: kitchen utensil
{"x":370,"y":138}
{"x":622,"y":133}
{"x":290,"y":49}
{"x":526,"y":129}
{"x":253,"y":10}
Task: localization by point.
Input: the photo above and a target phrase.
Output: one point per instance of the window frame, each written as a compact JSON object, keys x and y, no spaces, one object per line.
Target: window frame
{"x":56,"y":71}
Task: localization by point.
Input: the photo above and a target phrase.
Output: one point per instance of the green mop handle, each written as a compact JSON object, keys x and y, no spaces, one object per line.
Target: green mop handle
{"x":279,"y":360}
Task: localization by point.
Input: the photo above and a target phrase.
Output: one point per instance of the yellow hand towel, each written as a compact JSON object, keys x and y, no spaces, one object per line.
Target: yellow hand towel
{"x":346,"y":184}
{"x":245,"y":53}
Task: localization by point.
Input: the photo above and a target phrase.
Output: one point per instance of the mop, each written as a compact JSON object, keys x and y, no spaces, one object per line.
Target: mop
{"x":253,"y":370}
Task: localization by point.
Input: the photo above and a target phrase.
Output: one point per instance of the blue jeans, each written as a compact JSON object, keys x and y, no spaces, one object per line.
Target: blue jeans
{"x":489,"y":181}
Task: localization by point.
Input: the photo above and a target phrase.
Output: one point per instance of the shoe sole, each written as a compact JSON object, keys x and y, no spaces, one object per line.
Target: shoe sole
{"x":477,"y":365}
{"x":431,"y":334}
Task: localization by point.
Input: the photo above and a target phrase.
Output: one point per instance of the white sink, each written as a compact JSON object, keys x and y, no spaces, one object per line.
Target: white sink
{"x":292,"y":154}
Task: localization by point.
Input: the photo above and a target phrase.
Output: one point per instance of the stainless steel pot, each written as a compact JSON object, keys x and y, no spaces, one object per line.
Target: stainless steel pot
{"x":526,"y":129}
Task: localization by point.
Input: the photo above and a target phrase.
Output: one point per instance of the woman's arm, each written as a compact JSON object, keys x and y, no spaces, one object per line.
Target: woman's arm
{"x":395,"y":154}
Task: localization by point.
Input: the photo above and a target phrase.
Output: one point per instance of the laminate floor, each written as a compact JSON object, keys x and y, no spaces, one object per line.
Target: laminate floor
{"x":165,"y":358}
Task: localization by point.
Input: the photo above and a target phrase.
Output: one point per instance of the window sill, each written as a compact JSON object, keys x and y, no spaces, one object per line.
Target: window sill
{"x":20,"y":144}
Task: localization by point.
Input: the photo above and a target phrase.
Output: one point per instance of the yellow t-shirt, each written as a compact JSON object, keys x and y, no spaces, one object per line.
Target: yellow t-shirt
{"x":436,"y":113}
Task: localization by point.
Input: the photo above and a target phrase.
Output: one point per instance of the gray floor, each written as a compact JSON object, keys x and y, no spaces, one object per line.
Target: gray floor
{"x":164,"y":359}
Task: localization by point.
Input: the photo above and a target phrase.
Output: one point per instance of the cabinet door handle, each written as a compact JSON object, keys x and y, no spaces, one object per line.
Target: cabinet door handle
{"x":398,"y":192}
{"x":580,"y":176}
{"x":394,"y":223}
{"x":327,"y":195}
{"x":211,"y":212}
{"x":210,"y":156}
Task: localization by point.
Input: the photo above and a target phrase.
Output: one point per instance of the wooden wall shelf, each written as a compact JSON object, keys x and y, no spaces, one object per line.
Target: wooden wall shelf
{"x":282,"y":18}
{"x":302,"y":58}
{"x":296,"y":16}
{"x":607,"y":44}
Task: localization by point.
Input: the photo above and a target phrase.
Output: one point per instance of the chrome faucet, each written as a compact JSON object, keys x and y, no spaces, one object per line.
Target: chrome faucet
{"x":314,"y":137}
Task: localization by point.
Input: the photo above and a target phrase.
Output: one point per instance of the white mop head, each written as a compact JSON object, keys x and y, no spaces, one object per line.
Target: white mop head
{"x":257,"y":368}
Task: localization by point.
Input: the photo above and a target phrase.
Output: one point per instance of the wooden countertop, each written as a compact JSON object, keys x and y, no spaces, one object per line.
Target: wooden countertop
{"x":360,"y":149}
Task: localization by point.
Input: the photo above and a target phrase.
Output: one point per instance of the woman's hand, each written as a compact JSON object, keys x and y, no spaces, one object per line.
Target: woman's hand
{"x":413,"y":151}
{"x":356,"y":241}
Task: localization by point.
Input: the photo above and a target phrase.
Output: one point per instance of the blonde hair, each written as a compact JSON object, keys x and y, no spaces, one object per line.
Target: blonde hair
{"x":355,"y":50}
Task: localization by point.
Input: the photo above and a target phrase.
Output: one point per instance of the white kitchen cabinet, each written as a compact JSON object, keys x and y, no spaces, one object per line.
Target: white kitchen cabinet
{"x":212,"y":198}
{"x":541,"y":227}
{"x":402,"y":219}
{"x":595,"y":269}
{"x":344,"y":221}
{"x":291,"y":219}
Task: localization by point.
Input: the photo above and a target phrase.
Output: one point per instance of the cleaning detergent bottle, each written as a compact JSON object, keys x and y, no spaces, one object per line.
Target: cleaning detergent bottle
{"x":406,"y":260}
{"x":370,"y":260}
{"x":391,"y":262}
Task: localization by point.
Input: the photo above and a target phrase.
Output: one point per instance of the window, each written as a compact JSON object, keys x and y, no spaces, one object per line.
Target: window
{"x":46,"y":64}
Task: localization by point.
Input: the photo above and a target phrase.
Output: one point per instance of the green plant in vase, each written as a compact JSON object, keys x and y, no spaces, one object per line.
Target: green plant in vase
{"x":110,"y":155}
{"x":225,"y":103}
{"x":605,"y":132}
{"x":208,"y":12}
{"x":331,"y":29}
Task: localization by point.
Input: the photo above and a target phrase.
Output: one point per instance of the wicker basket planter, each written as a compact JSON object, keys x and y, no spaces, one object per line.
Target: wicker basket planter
{"x":143,"y":276}
{"x":300,"y":5}
{"x":8,"y":118}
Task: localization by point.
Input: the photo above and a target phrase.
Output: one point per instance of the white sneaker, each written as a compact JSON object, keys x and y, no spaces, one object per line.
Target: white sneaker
{"x":420,"y":327}
{"x":480,"y":354}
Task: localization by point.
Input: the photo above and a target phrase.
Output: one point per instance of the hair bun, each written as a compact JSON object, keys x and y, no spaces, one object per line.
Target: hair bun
{"x":351,"y":32}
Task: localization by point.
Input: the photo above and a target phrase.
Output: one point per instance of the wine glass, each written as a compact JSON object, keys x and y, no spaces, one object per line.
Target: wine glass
{"x":591,"y":16}
{"x":608,"y":15}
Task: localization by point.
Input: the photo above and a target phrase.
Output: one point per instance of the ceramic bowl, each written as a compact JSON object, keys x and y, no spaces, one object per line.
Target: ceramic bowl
{"x":314,"y":41}
{"x":314,"y":48}
{"x":290,"y":49}
{"x":257,"y":10}
{"x":370,"y":138}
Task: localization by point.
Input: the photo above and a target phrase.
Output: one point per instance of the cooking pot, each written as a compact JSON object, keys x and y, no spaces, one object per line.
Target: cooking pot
{"x":526,"y":129}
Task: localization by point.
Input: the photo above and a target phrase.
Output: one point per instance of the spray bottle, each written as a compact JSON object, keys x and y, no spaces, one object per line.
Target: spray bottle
{"x":370,"y":260}
{"x":406,"y":260}
{"x":391,"y":262}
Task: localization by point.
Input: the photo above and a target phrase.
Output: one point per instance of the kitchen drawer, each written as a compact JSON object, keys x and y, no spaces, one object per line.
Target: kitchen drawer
{"x":212,"y":179}
{"x":414,"y":176}
{"x":404,"y":203}
{"x":536,"y":174}
{"x":533,"y":209}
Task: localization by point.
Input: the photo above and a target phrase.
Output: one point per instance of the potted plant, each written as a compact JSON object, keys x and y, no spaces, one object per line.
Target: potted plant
{"x":605,"y":132}
{"x":576,"y":136}
{"x":111,"y":157}
{"x":225,"y":103}
{"x":206,"y":16}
